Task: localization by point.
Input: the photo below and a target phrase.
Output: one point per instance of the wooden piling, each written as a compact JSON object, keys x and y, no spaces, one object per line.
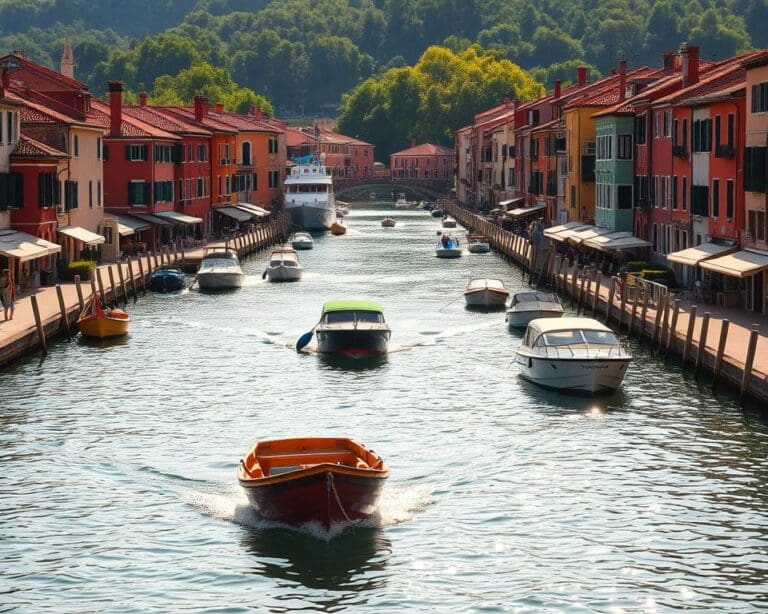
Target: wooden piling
{"x":122,"y":283}
{"x":112,"y":284}
{"x":583,"y":281}
{"x":101,"y":290}
{"x":63,"y":311}
{"x":622,"y":304}
{"x":657,"y":320}
{"x":79,"y":289}
{"x":574,"y":279}
{"x":611,"y":293}
{"x":142,"y":277}
{"x":643,"y":313}
{"x":702,"y":340}
{"x":633,"y":311}
{"x":596,"y":295}
{"x":132,"y":278}
{"x":39,"y":324}
{"x":664,"y":323}
{"x":748,"y":362}
{"x":720,"y":351}
{"x":671,"y":334}
{"x":689,"y":334}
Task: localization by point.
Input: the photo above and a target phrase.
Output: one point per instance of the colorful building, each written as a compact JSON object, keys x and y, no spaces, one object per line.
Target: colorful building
{"x":423,"y":162}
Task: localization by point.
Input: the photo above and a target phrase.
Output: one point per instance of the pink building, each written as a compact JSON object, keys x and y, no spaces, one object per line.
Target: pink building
{"x":423,"y":162}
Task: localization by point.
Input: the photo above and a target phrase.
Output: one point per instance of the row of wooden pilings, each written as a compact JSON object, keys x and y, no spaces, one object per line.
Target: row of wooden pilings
{"x":627,"y":310}
{"x":129,"y":282}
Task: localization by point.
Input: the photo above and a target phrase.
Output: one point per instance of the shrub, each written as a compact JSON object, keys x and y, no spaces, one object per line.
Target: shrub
{"x":82,"y":268}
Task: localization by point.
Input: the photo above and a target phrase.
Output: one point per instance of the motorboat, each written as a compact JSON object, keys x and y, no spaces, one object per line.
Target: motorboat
{"x":527,"y":306}
{"x":219,"y":269}
{"x":577,"y":354}
{"x":308,"y":192}
{"x":401,"y":203}
{"x":342,"y":210}
{"x":168,"y":278}
{"x":486,"y":293}
{"x":448,"y":247}
{"x":352,"y":327}
{"x":302,"y":240}
{"x":318,"y":480}
{"x":372,"y":196}
{"x":437,"y":212}
{"x":338,"y":228}
{"x":449,"y":222}
{"x":102,"y":323}
{"x":283,"y":265}
{"x":388,"y":222}
{"x":478,"y":245}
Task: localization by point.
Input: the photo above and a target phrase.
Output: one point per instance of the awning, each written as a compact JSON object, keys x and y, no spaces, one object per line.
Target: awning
{"x":127,"y":225}
{"x":254,"y":210}
{"x":554,"y":231}
{"x":616,"y":240}
{"x":81,"y":234}
{"x":235,"y":214}
{"x":694,"y":255}
{"x":512,"y":201}
{"x":740,"y":264}
{"x":152,"y":219}
{"x":521,"y":211}
{"x":583,"y":234}
{"x":23,"y":246}
{"x":179,"y":218}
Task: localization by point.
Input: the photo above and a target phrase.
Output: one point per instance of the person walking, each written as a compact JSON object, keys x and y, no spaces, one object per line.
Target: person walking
{"x":6,"y":293}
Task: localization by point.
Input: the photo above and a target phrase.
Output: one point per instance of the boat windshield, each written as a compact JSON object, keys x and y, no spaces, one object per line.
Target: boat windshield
{"x":577,"y":337}
{"x":336,"y":317}
{"x":535,"y":297}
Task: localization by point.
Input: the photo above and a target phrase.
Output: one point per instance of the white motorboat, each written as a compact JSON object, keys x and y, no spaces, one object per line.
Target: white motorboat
{"x":478,"y":246}
{"x":448,"y":247}
{"x":576,"y":354}
{"x":401,"y":203}
{"x":219,"y":269}
{"x":283,"y":265}
{"x":342,"y":208}
{"x":527,"y":306}
{"x":388,"y":222}
{"x":449,"y":222}
{"x":486,"y":293}
{"x":309,"y":194}
{"x":302,"y":240}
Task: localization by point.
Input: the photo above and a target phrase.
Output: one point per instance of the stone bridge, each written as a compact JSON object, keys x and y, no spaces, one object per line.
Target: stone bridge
{"x":386,"y":188}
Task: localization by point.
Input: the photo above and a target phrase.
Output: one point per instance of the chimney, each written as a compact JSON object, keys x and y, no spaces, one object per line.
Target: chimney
{"x":142,"y":99}
{"x":557,"y":89}
{"x":19,"y":53}
{"x":669,"y":60}
{"x":67,"y":61}
{"x":115,"y":108}
{"x":413,"y":142}
{"x":201,"y":107}
{"x":581,"y":75}
{"x":219,"y":107}
{"x":506,"y":101}
{"x":256,"y":113}
{"x":689,"y":55}
{"x":622,"y":80}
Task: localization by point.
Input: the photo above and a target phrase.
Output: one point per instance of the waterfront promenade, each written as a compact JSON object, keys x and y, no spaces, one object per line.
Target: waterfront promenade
{"x":665,"y":324}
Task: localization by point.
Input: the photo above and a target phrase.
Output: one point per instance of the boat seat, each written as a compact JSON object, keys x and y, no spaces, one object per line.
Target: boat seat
{"x":308,"y":458}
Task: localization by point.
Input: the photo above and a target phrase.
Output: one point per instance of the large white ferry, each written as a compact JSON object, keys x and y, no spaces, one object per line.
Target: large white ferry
{"x":309,"y":194}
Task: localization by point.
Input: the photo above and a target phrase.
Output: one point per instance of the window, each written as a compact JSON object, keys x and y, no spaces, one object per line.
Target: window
{"x":756,"y":224}
{"x":604,"y":147}
{"x":1,"y":127}
{"x":90,"y":194}
{"x":138,"y":193}
{"x":674,"y":192}
{"x":684,"y":200}
{"x":11,"y":127}
{"x":656,"y":125}
{"x":98,"y":148}
{"x":245,"y":157}
{"x":655,"y":238}
{"x":272,"y":146}
{"x":202,"y":153}
{"x":701,"y":138}
{"x":274,"y":179}
{"x":715,"y":198}
{"x":675,"y":132}
{"x":181,"y":189}
{"x":75,"y":146}
{"x":534,"y":148}
{"x":700,"y":200}
{"x":200,"y":192}
{"x":717,"y":131}
{"x":729,"y":199}
{"x":625,"y":147}
{"x":227,"y":184}
{"x":136,"y":153}
{"x":163,"y":153}
{"x":667,"y":123}
{"x":191,"y":153}
{"x":685,"y":134}
{"x":760,"y":98}
{"x":98,"y":193}
{"x":755,"y":169}
{"x":641,"y":190}
{"x":104,"y":152}
{"x":163,"y":191}
{"x":730,"y":130}
{"x":49,"y":190}
{"x":70,"y":195}
{"x":640,"y":129}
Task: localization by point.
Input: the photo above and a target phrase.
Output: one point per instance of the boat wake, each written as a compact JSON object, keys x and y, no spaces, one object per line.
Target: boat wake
{"x":398,"y":504}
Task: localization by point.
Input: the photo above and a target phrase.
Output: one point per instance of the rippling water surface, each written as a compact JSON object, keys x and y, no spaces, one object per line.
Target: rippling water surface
{"x":118,"y":460}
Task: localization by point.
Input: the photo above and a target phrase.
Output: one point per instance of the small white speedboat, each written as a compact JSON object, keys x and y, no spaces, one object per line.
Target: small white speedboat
{"x":478,"y":246}
{"x":449,"y":222}
{"x":401,"y":203}
{"x":302,"y":240}
{"x":448,"y":247}
{"x":219,"y":269}
{"x":575,"y":354}
{"x":527,"y":306}
{"x":283,"y":265}
{"x":486,"y":293}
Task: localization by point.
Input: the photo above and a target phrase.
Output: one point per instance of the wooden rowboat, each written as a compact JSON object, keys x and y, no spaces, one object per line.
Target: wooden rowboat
{"x":338,"y":228}
{"x":102,"y":323}
{"x":323,"y":480}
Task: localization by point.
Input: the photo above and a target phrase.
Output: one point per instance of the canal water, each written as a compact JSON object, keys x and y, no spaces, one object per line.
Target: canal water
{"x":118,"y":461}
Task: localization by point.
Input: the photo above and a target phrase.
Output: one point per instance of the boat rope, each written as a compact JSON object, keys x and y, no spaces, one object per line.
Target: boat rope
{"x":332,"y":488}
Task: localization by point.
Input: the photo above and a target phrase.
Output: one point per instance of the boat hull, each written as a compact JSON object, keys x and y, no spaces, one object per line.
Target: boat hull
{"x":521,"y":319}
{"x":102,"y":327}
{"x":284,"y":273}
{"x":312,"y":218}
{"x":219,"y":281}
{"x":167,"y":283}
{"x":591,"y":376}
{"x":312,"y":497}
{"x":302,"y":245}
{"x":448,"y":252}
{"x":338,"y":229}
{"x":449,"y":223}
{"x":478,"y":248}
{"x":486,"y":298}
{"x":354,"y":343}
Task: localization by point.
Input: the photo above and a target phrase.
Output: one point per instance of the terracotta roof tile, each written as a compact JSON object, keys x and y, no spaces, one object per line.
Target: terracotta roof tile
{"x":425,"y":149}
{"x":130,"y":126}
{"x":165,"y":121}
{"x":31,"y":148}
{"x":209,"y":121}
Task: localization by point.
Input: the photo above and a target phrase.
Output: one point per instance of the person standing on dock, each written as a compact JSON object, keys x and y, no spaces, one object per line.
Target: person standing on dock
{"x":6,"y":293}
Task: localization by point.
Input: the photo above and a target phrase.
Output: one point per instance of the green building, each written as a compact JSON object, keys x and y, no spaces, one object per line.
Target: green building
{"x":614,"y":172}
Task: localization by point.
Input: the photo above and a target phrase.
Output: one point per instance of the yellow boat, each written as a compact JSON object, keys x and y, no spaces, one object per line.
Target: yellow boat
{"x":338,"y":229}
{"x":102,"y":323}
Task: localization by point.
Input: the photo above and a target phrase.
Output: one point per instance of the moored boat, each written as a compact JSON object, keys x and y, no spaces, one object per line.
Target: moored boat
{"x":388,"y":222}
{"x":219,"y":269}
{"x":102,"y":323}
{"x":309,"y":194}
{"x":352,"y":327}
{"x":574,"y":354}
{"x":283,"y":265}
{"x":527,"y":306}
{"x":437,"y":212}
{"x":486,"y":293}
{"x":449,"y":222}
{"x":478,"y":246}
{"x":401,"y":203}
{"x":338,"y":227}
{"x":302,"y":240}
{"x":448,"y":247}
{"x":322,"y":480}
{"x":168,"y":278}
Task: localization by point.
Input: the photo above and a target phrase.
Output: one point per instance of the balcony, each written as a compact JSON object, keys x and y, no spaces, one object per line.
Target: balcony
{"x":724,"y":151}
{"x":679,"y":151}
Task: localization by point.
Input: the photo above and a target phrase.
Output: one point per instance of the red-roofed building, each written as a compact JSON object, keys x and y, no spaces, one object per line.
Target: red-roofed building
{"x":345,"y":157}
{"x":423,"y":162}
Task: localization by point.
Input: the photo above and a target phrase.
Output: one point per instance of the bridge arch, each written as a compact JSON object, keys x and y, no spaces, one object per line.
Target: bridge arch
{"x":384,"y":189}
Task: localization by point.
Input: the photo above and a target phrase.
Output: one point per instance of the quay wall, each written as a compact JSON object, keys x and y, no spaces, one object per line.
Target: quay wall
{"x":724,"y":343}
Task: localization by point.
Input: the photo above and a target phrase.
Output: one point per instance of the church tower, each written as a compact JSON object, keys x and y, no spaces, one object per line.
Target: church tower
{"x":67,"y":61}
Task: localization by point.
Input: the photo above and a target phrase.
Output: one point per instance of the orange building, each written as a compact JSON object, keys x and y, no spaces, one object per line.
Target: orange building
{"x":423,"y":162}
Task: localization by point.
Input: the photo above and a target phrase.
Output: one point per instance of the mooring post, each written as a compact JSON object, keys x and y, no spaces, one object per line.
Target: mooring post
{"x":622,"y":304}
{"x":112,"y":284}
{"x":596,"y":295}
{"x":63,"y":310}
{"x":611,"y":294}
{"x":123,"y":288}
{"x":657,"y":320}
{"x":671,"y":335}
{"x":689,"y":333}
{"x":79,"y":289}
{"x":142,"y":277}
{"x":720,"y":351}
{"x":633,"y":312}
{"x":39,"y":324}
{"x":102,"y":292}
{"x":746,"y":377}
{"x":702,"y":340}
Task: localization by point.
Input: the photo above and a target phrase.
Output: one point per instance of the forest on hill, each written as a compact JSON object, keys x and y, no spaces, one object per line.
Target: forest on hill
{"x":303,"y":55}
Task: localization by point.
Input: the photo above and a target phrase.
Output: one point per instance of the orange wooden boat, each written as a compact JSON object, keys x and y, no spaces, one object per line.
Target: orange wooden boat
{"x":314,"y":479}
{"x":102,"y":323}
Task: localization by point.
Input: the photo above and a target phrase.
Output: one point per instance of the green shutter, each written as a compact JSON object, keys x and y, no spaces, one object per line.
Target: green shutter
{"x":127,"y":152}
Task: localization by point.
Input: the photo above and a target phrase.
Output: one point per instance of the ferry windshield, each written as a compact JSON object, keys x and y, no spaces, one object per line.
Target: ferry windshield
{"x":336,"y":317}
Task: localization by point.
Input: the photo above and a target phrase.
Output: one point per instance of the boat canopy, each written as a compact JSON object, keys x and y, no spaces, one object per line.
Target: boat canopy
{"x":548,"y":325}
{"x":351,"y":305}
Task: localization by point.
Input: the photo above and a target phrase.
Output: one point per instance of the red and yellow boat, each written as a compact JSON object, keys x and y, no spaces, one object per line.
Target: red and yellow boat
{"x":102,"y":323}
{"x":324,"y":480}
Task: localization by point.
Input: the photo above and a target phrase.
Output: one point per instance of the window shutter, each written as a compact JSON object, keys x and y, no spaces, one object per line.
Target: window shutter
{"x":42,"y":189}
{"x":748,"y":169}
{"x":127,"y":152}
{"x":104,"y":152}
{"x":146,"y":195}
